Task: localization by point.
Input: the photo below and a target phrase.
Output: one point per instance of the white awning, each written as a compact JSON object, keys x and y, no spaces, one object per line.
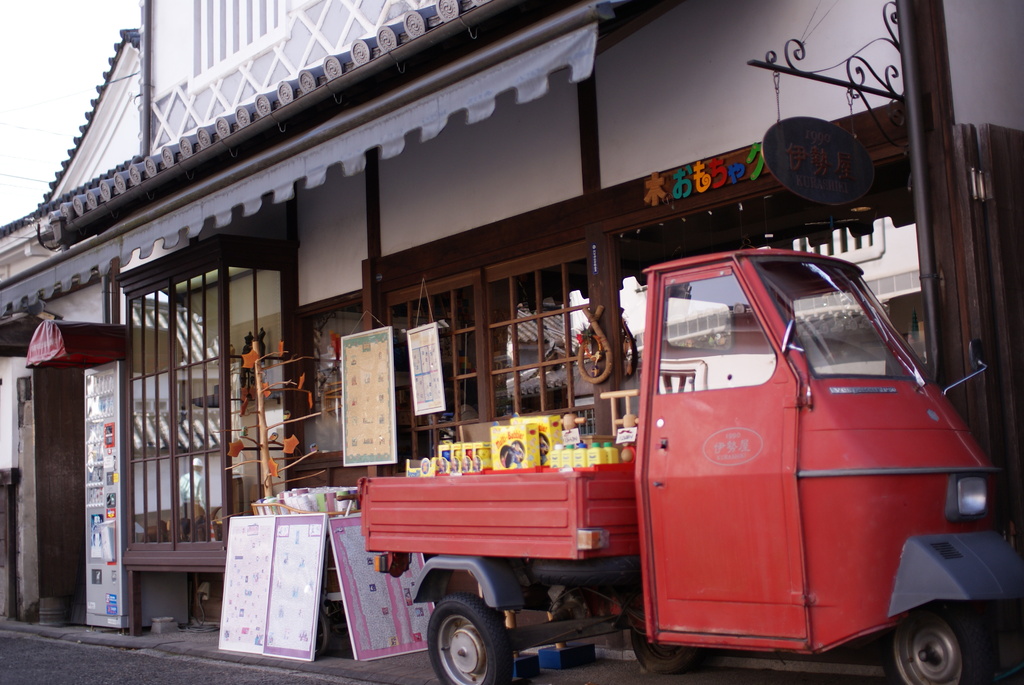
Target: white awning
{"x":523,"y":63}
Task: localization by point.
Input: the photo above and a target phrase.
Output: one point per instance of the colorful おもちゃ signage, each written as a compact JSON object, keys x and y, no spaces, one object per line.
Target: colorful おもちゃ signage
{"x":703,"y":176}
{"x":818,"y":161}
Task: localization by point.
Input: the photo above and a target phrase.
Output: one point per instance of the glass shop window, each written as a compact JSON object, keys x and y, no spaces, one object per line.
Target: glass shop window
{"x":325,"y":331}
{"x":191,"y":317}
{"x":534,"y":333}
{"x":176,"y":412}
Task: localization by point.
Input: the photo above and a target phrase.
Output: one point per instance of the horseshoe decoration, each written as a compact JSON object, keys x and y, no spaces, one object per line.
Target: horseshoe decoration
{"x":630,"y":356}
{"x":594,"y":358}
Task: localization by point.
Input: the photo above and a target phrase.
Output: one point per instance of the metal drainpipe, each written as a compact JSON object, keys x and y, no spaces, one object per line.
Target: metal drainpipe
{"x":147,"y":78}
{"x":105,"y":288}
{"x":919,"y":174}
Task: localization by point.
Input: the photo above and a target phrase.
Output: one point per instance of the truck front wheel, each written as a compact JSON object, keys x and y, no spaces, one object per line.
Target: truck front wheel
{"x":940,"y":646}
{"x":664,"y":659}
{"x":468,"y":643}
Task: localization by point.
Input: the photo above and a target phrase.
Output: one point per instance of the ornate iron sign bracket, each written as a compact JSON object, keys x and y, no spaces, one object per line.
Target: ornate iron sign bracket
{"x":862,"y":78}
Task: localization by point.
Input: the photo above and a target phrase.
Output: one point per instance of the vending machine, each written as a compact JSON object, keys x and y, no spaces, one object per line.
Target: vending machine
{"x":106,"y":586}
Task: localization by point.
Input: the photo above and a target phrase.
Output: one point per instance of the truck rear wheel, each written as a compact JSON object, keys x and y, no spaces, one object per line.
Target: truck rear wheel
{"x":940,"y":646}
{"x":468,"y":643}
{"x":664,"y":659}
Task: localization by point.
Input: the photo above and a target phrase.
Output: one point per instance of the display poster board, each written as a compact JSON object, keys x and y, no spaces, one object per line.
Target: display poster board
{"x":295,"y":584}
{"x":272,"y":585}
{"x":243,"y":619}
{"x":382,"y":618}
{"x":368,"y":389}
{"x":425,"y":364}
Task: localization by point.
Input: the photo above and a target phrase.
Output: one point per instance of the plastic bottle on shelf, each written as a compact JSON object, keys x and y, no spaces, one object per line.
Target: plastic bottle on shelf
{"x":579,"y":455}
{"x":555,"y":456}
{"x":612,"y":453}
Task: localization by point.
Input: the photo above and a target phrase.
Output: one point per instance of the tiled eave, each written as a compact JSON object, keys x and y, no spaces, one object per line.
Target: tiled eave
{"x":94,"y":206}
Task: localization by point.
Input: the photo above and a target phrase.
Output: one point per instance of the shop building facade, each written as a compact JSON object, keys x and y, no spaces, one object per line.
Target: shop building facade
{"x":496,"y":167}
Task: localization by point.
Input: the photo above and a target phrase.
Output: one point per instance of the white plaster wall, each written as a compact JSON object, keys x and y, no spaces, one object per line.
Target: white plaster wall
{"x":83,"y":305}
{"x":521,"y":158}
{"x":11,"y":369}
{"x":692,"y":63}
{"x":985,"y":53}
{"x":172,"y":35}
{"x":20,"y":251}
{"x":332,"y":236}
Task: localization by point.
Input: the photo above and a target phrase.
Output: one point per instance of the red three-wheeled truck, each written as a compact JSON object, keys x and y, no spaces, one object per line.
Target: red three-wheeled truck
{"x":799,"y":484}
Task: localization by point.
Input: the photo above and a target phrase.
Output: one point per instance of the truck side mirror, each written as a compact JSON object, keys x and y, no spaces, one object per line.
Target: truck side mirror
{"x":975,"y":353}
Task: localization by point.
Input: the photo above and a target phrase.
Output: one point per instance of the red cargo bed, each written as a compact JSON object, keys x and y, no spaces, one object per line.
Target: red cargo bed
{"x":530,"y":515}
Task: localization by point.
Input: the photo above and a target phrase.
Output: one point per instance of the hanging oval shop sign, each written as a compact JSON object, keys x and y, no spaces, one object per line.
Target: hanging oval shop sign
{"x":817,"y":160}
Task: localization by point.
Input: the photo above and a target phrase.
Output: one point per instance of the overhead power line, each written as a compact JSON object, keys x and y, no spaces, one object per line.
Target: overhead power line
{"x":24,"y":178}
{"x":38,"y":130}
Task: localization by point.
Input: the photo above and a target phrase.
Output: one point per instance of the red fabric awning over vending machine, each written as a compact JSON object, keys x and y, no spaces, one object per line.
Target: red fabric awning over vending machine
{"x":75,"y":344}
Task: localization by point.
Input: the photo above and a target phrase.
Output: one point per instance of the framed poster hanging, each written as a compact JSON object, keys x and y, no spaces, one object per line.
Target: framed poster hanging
{"x":368,"y":389}
{"x":425,"y":365}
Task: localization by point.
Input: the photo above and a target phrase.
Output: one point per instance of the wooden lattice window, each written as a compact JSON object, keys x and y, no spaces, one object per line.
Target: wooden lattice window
{"x":536,"y":316}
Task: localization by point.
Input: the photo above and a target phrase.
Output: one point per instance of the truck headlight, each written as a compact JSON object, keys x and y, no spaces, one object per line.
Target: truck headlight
{"x":966,"y":497}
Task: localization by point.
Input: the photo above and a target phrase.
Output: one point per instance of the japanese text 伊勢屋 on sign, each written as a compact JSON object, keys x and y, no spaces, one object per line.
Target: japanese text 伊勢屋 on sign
{"x":818,"y":160}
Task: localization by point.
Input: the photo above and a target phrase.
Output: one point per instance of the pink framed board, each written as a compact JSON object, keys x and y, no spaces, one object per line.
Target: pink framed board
{"x":382,"y":618}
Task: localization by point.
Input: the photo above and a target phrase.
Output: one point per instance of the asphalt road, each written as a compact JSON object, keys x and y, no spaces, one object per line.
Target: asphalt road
{"x":34,"y":660}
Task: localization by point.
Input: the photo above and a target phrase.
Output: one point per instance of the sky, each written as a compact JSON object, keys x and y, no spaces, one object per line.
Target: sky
{"x":53,"y":54}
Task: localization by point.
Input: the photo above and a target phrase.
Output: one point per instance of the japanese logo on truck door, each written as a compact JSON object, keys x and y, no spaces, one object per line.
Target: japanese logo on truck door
{"x":733,"y":446}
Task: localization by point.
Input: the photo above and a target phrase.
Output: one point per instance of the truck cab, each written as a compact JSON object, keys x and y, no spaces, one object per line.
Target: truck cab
{"x":801,"y":482}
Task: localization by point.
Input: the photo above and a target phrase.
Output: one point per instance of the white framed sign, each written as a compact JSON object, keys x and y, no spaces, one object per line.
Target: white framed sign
{"x":425,"y":365}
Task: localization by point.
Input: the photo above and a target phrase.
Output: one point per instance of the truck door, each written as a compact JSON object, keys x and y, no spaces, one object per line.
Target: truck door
{"x":719,"y":483}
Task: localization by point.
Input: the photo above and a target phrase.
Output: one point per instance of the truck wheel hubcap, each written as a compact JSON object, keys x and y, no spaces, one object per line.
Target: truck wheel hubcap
{"x":930,"y":651}
{"x":465,"y":653}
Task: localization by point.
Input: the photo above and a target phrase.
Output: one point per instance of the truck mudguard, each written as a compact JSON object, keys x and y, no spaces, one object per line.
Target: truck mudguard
{"x":498,"y":583}
{"x":972,"y":566}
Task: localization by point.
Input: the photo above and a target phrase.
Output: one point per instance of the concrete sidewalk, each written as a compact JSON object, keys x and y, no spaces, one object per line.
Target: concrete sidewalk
{"x":407,"y":670}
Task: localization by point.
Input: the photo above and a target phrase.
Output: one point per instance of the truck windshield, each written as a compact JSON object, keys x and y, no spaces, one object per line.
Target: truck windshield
{"x":839,"y":323}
